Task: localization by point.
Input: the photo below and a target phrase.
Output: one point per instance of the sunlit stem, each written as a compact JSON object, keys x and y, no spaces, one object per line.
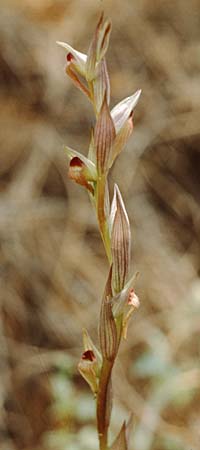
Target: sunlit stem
{"x":102,"y":404}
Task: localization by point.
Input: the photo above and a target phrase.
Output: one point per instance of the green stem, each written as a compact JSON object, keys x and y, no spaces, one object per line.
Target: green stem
{"x":104,"y":400}
{"x":103,"y":407}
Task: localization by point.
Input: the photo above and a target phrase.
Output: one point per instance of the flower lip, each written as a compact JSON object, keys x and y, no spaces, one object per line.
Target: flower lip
{"x":76,"y":162}
{"x":69,"y":57}
{"x":89,"y":355}
{"x":77,"y":159}
{"x":133,"y":299}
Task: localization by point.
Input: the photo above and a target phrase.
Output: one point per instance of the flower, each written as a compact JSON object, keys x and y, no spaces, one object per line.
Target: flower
{"x":123,"y":110}
{"x":122,"y":117}
{"x":91,"y":67}
{"x":125,"y":302}
{"x":120,"y":242}
{"x":79,"y":59}
{"x":81,"y":169}
{"x":90,"y":363}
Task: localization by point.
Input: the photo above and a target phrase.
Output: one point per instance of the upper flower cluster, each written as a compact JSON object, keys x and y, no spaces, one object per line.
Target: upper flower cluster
{"x":111,"y":132}
{"x":113,"y":128}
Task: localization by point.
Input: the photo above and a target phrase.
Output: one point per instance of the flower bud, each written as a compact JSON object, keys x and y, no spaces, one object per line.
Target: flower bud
{"x":107,"y":327}
{"x":98,"y":47}
{"x":101,"y":85}
{"x":104,"y":136}
{"x":104,"y":30}
{"x":120,"y":242}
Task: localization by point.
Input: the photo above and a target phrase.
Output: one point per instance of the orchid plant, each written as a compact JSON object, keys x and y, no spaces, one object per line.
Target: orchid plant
{"x":109,"y":136}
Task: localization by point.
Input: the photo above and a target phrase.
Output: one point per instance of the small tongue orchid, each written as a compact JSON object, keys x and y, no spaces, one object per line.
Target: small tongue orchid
{"x":111,"y":133}
{"x":123,"y":110}
{"x":78,"y":59}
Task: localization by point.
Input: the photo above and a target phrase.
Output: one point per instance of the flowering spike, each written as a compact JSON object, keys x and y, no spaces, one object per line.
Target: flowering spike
{"x":111,"y":132}
{"x":122,"y":111}
{"x":120,"y":242}
{"x":104,"y":136}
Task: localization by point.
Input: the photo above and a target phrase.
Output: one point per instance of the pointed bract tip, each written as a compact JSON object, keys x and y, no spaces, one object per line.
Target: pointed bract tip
{"x":116,"y":188}
{"x":120,"y":201}
{"x":137,"y":95}
{"x":133,"y":99}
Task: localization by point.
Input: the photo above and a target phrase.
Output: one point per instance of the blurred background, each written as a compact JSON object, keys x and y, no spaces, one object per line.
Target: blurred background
{"x":52,"y":262}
